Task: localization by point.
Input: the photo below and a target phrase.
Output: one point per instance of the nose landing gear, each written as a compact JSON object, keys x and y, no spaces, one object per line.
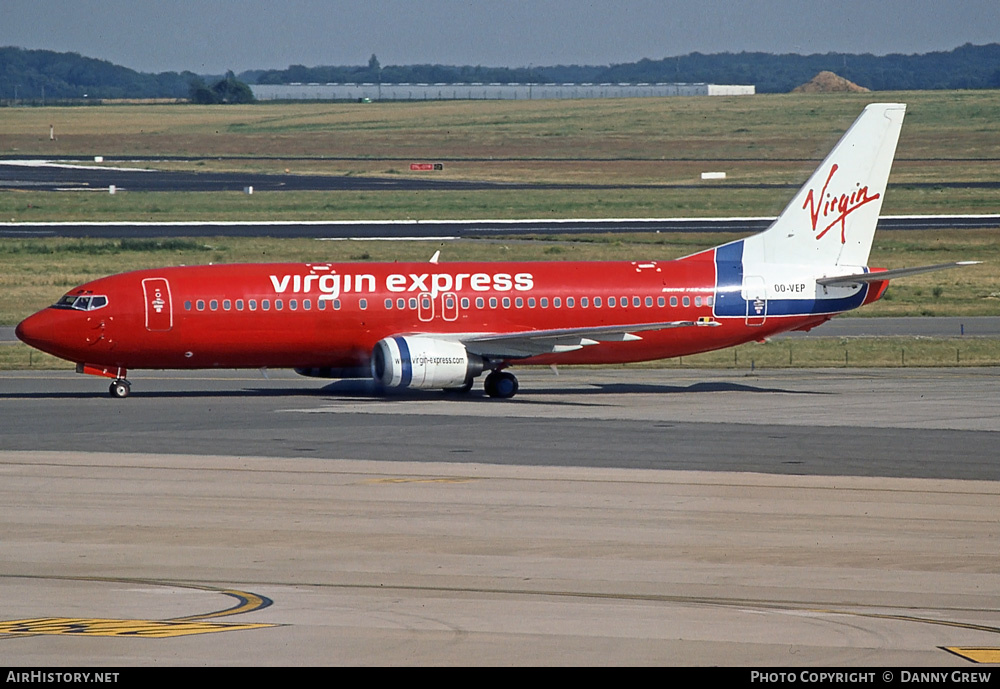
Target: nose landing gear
{"x":120,"y":388}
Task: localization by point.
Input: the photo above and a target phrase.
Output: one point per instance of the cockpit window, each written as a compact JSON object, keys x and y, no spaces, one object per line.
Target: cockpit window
{"x":87,"y":303}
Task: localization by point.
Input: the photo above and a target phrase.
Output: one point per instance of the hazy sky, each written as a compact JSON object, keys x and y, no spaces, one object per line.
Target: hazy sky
{"x":211,"y":36}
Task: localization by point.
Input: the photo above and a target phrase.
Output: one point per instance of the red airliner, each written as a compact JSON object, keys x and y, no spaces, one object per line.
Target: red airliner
{"x":440,"y":325}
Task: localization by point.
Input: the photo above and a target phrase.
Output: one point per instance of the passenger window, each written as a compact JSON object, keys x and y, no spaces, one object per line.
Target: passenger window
{"x":480,"y":302}
{"x":227,"y":305}
{"x":201,"y":304}
{"x":187,"y":306}
{"x":597,"y":302}
{"x":265,"y":304}
{"x":697,"y":301}
{"x":239,"y":304}
{"x":556,"y":302}
{"x":388,"y":304}
{"x":611,"y":301}
{"x":583,"y":302}
{"x":400,"y":303}
{"x":363,"y":304}
{"x":306,"y":305}
{"x":661,"y":302}
{"x":493,"y":302}
{"x":465,"y":302}
{"x":544,"y":302}
{"x":673,"y":301}
{"x":253,"y":304}
{"x":531,"y":302}
{"x":506,"y":302}
{"x":214,"y":304}
{"x":519,"y":302}
{"x":279,"y":304}
{"x":686,"y":301}
{"x":635,"y":301}
{"x":570,"y":302}
{"x":649,"y":301}
{"x":293,"y":304}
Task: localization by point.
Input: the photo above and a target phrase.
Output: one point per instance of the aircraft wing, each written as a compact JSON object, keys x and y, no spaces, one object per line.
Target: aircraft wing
{"x":532,"y":342}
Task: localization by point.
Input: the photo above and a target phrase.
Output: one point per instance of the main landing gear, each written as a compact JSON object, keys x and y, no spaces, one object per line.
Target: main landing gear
{"x":500,"y":384}
{"x":120,"y":388}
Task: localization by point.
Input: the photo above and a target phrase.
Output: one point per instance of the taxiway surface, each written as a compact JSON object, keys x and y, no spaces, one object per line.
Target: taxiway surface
{"x":831,"y":517}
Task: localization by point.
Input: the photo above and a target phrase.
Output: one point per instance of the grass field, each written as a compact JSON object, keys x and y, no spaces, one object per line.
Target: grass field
{"x":772,"y":139}
{"x":940,"y":125}
{"x":25,"y":288}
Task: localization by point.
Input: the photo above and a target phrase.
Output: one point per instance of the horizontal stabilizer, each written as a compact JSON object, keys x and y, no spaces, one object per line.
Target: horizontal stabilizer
{"x":889,"y":274}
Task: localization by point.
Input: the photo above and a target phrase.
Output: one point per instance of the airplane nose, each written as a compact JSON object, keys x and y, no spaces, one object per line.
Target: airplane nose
{"x":39,"y":330}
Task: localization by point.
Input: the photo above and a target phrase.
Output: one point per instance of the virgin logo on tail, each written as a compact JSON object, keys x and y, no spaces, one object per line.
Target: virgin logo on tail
{"x":835,"y":209}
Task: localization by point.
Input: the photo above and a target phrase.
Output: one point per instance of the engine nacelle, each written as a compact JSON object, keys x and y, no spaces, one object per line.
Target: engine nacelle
{"x":423,"y":362}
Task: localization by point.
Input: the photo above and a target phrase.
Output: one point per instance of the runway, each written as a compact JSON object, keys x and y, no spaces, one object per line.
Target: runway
{"x":55,"y":176}
{"x":58,"y":175}
{"x":605,"y":516}
{"x":444,"y":229}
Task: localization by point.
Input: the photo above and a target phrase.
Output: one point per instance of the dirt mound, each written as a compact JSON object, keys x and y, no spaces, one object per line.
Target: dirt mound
{"x":828,"y":82}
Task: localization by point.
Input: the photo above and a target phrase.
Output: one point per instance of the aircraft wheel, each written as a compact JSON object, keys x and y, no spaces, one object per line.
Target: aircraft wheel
{"x":501,"y":384}
{"x":120,"y":389}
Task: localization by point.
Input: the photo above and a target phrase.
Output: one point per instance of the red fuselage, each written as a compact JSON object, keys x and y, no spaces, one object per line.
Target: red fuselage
{"x":332,"y":315}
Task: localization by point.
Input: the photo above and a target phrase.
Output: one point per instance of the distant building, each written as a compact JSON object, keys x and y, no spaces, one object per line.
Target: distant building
{"x":396,"y":92}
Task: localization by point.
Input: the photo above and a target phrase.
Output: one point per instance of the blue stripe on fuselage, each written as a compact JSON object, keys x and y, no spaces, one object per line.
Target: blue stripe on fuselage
{"x":729,"y":300}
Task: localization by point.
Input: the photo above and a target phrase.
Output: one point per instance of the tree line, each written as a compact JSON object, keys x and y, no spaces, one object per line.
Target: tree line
{"x":39,"y":75}
{"x":966,"y":67}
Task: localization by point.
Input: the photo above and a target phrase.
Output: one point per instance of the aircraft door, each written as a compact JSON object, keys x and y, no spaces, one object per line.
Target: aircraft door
{"x":425,"y":307}
{"x":444,"y":306}
{"x":159,"y":310}
{"x":755,"y":294}
{"x":449,"y":306}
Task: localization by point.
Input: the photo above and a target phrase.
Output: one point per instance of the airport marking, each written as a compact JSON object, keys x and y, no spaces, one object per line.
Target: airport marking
{"x":976,"y":654}
{"x":149,"y":629}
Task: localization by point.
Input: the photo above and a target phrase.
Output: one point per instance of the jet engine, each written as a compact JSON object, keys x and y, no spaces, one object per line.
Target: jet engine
{"x":423,"y":362}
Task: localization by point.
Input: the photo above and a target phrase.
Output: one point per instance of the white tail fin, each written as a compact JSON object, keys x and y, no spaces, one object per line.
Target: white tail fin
{"x":832,"y":219}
